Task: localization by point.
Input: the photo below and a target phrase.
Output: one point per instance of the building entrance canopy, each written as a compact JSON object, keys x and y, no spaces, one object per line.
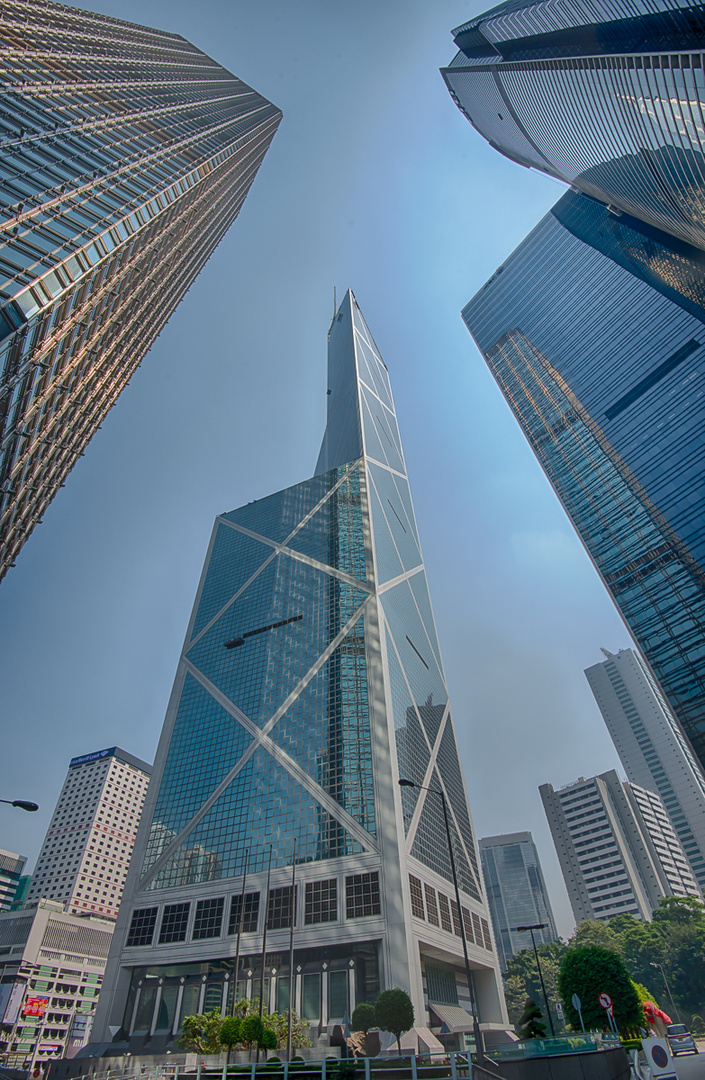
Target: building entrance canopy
{"x":453,"y":1017}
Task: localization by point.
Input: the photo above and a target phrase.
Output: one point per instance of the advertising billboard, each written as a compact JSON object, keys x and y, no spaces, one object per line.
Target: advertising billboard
{"x":35,"y":1006}
{"x":13,"y":1003}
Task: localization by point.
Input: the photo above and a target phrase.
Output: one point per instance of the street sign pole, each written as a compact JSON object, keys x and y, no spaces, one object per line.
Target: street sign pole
{"x":606,"y":1002}
{"x":577,"y":1005}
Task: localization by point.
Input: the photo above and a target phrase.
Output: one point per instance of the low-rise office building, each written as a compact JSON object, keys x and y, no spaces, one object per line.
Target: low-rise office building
{"x":51,"y":970}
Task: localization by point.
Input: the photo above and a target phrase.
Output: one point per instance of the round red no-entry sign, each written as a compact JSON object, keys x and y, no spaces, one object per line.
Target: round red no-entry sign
{"x":605,"y":1001}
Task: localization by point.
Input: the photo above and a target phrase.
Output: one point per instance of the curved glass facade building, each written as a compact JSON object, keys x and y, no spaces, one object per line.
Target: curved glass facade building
{"x":310,"y":681}
{"x":607,"y":96}
{"x":595,"y":332}
{"x":126,"y":155}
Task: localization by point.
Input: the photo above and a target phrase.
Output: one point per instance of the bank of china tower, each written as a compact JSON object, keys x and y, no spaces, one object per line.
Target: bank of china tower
{"x":310,"y":681}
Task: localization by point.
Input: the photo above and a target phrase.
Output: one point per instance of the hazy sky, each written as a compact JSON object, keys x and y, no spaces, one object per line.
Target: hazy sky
{"x":377,"y":182}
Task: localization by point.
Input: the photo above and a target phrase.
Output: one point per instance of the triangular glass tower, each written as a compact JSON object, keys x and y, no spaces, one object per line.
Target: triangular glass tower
{"x":310,"y":681}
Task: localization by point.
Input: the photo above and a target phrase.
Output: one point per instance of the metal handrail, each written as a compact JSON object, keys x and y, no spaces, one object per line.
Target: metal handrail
{"x":487,"y":1072}
{"x":459,"y":1063}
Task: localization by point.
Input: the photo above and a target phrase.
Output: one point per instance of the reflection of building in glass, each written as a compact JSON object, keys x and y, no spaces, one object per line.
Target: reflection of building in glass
{"x":127,"y":154}
{"x":617,"y":848}
{"x":516,"y":893}
{"x":651,"y":746}
{"x":603,"y":367}
{"x":311,"y":642}
{"x":613,"y":105}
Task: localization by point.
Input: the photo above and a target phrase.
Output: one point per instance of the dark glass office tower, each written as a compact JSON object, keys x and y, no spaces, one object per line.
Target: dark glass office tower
{"x":595,"y":333}
{"x":127,"y":154}
{"x":310,"y":681}
{"x":517,"y":894}
{"x":609,"y":98}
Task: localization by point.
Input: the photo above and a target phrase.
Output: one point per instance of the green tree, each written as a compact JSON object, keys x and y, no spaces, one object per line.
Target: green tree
{"x":231,"y":1033}
{"x":269,"y":1040}
{"x":251,"y":1030}
{"x":530,"y":1025}
{"x":680,"y":911}
{"x":201,"y":1032}
{"x":644,"y":994}
{"x":363,"y":1017}
{"x":394,"y":1012}
{"x":594,"y":932}
{"x":521,"y":979}
{"x":515,"y":995}
{"x":673,"y":944}
{"x":589,"y":971}
{"x":278,"y":1022}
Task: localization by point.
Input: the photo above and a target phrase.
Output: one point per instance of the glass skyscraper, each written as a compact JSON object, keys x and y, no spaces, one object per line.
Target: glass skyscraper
{"x":651,"y":747}
{"x":127,"y":154}
{"x":609,"y":97}
{"x":310,"y":681}
{"x":516,"y":892}
{"x":597,"y":341}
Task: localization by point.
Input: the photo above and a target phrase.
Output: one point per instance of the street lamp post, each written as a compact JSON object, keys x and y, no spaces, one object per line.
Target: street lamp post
{"x":668,"y":989}
{"x":539,"y":926}
{"x":22,"y":804}
{"x":475,"y":1022}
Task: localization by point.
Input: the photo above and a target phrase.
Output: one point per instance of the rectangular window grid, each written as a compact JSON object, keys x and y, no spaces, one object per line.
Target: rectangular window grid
{"x":431,"y":905}
{"x":209,"y":918}
{"x":486,"y":935}
{"x":250,"y":916}
{"x":444,"y":907}
{"x":142,"y":927}
{"x":279,"y":911}
{"x":362,"y":895}
{"x":416,"y":897}
{"x":456,"y":918}
{"x":467,"y":923}
{"x":174,"y":921}
{"x":321,"y":901}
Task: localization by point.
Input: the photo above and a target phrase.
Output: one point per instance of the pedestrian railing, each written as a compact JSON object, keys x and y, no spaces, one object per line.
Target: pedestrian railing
{"x":441,"y":1066}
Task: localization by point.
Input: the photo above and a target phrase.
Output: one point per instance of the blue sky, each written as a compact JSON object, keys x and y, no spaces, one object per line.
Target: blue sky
{"x":374,"y":181}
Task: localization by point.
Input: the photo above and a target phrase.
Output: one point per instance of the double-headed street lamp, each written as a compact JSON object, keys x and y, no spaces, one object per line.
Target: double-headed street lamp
{"x":475,"y":1022}
{"x":539,"y":926}
{"x":23,"y":804}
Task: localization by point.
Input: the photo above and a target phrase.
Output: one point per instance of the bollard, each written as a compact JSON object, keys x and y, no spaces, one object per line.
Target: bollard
{"x":367,"y":1068}
{"x":224,"y":1075}
{"x":254,"y":1069}
{"x":413,"y":1067}
{"x":453,"y":1069}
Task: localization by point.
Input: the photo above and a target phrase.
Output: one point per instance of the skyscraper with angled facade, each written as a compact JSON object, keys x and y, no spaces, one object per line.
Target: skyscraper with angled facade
{"x":594,"y":331}
{"x":651,"y":746}
{"x":127,"y":154}
{"x":310,"y":681}
{"x":609,"y":98}
{"x":516,"y":893}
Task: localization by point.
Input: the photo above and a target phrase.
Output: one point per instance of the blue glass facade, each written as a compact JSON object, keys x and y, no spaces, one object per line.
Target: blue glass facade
{"x":611,"y":100}
{"x":516,"y":893}
{"x":310,"y":681}
{"x":127,"y":154}
{"x":602,"y":364}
